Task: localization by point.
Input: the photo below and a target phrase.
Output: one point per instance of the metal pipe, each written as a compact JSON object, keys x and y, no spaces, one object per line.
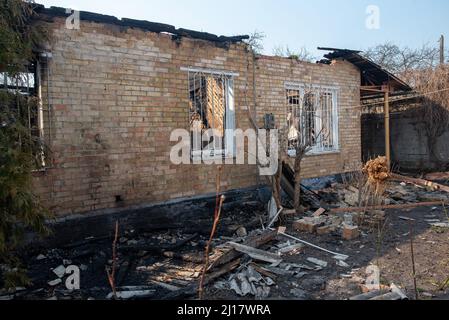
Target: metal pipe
{"x":275,"y":218}
{"x":412,"y":251}
{"x":49,"y":106}
{"x":336,"y":255}
{"x":40,"y":113}
{"x":387,"y":127}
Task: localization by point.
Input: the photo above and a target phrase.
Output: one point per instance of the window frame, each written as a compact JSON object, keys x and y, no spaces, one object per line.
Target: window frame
{"x":228,"y":144}
{"x":317,"y":91}
{"x":30,"y":81}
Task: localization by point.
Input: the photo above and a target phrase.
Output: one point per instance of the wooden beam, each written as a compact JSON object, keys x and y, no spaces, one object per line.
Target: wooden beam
{"x":371,"y":90}
{"x":254,"y":241}
{"x":421,"y":182}
{"x":256,"y":254}
{"x":387,"y":207}
{"x":192,"y":289}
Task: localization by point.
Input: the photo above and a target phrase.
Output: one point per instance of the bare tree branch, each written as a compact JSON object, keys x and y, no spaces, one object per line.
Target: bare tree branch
{"x":400,"y":60}
{"x":302,"y":54}
{"x":255,"y":41}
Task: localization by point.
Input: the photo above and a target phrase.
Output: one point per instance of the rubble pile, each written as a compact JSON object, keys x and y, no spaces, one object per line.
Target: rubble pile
{"x":255,"y":260}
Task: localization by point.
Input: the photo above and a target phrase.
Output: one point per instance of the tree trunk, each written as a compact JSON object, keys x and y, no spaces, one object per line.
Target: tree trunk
{"x":276,"y":181}
{"x":297,"y":200}
{"x":277,"y":186}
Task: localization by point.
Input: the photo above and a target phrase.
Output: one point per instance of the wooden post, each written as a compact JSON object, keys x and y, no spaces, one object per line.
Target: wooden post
{"x":387,"y":126}
{"x":442,"y":50}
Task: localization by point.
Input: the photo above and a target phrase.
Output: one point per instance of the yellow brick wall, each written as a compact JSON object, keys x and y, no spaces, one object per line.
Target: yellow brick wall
{"x":117,"y":94}
{"x":271,"y":75}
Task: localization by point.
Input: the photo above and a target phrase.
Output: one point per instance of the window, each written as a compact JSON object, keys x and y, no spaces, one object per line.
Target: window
{"x":211,"y":113}
{"x":27,"y":84}
{"x":23,"y":82}
{"x":312,"y":116}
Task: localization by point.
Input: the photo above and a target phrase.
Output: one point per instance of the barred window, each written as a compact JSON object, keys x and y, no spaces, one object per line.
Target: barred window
{"x":312,"y":116}
{"x":31,"y":115}
{"x":211,"y":113}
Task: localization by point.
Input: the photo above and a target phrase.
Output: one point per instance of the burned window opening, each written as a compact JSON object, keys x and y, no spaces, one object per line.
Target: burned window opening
{"x":211,"y":113}
{"x":28,"y":85}
{"x":312,"y":117}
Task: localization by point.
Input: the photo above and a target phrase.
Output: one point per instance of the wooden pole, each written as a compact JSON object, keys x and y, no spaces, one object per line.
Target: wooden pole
{"x":442,"y":50}
{"x":389,"y":207}
{"x":387,"y":126}
{"x":412,"y":251}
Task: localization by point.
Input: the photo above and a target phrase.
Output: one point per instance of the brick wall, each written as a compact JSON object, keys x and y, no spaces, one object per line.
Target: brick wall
{"x":409,"y":142}
{"x":116,"y":94}
{"x":272,"y":74}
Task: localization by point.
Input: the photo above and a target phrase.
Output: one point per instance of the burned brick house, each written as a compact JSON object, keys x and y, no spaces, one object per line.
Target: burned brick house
{"x":113,"y":90}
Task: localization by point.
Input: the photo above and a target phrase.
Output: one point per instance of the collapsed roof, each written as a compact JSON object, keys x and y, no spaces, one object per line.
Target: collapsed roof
{"x":372,"y":73}
{"x":141,"y":24}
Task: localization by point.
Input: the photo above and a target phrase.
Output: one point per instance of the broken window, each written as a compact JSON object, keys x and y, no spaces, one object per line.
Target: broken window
{"x":31,"y":115}
{"x":312,"y":117}
{"x":211,"y":113}
{"x":23,"y":82}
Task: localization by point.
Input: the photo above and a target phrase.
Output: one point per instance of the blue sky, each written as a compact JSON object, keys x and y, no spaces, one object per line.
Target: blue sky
{"x":300,"y":23}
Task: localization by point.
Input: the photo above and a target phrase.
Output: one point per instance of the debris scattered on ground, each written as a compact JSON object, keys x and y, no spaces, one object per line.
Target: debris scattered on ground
{"x":291,"y":249}
{"x":248,"y":282}
{"x":257,"y":254}
{"x":247,"y":261}
{"x":440,"y":225}
{"x":350,"y":232}
{"x":127,"y":293}
{"x":393,"y":293}
{"x":59,"y":271}
{"x":318,"y":262}
{"x":437,"y":176}
{"x":55,"y":282}
{"x":241,"y":232}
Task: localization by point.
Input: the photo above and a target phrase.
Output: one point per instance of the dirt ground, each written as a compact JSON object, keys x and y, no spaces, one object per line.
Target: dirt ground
{"x":389,"y":249}
{"x":142,"y":262}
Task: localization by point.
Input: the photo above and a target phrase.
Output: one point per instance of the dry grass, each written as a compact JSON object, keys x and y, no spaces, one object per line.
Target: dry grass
{"x":377,"y":171}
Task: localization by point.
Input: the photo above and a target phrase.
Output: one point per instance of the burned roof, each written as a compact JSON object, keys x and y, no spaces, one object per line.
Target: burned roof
{"x":372,"y":73}
{"x":140,"y":24}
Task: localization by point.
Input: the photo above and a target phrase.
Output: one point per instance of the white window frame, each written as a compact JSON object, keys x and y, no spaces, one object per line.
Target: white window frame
{"x":228,"y":149}
{"x":317,"y":90}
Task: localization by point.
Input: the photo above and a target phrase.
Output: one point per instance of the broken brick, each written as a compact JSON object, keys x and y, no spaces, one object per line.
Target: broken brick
{"x":319,"y":212}
{"x":307,"y":224}
{"x":350,"y":232}
{"x":324,"y":230}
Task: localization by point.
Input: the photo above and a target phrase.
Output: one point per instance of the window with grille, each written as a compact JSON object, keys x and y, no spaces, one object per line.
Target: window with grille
{"x":31,"y":115}
{"x":211,"y":113}
{"x":312,"y":116}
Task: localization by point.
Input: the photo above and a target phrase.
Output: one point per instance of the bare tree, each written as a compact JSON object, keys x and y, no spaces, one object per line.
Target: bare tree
{"x":433,"y":85}
{"x":306,"y":137}
{"x":400,"y":60}
{"x":302,"y":54}
{"x":302,"y":148}
{"x":276,"y":180}
{"x":255,"y":41}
